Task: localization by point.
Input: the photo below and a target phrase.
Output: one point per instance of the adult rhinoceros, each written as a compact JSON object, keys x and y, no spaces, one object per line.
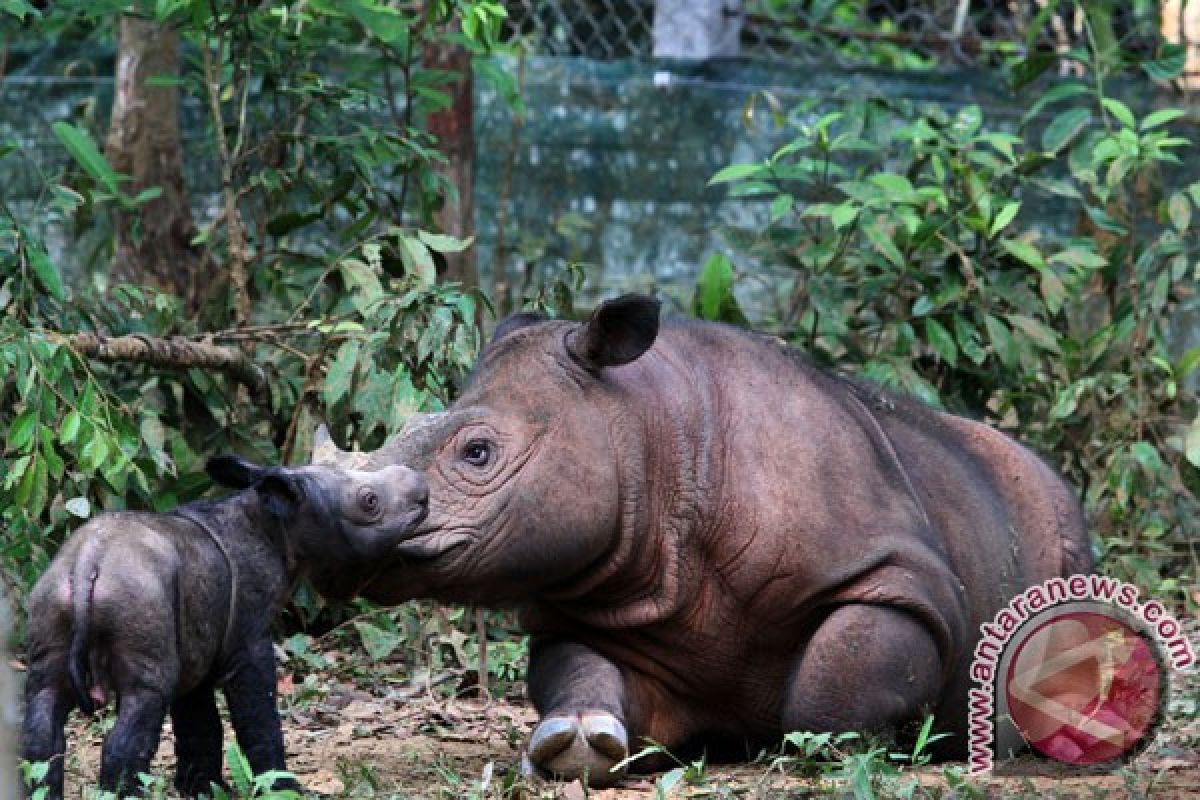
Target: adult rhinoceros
{"x":711,"y":539}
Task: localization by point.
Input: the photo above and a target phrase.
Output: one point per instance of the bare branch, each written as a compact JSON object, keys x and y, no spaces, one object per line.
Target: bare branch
{"x":174,"y":352}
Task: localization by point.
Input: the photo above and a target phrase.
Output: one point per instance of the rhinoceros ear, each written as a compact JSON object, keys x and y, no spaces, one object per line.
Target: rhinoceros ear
{"x":618,"y":332}
{"x":234,"y":471}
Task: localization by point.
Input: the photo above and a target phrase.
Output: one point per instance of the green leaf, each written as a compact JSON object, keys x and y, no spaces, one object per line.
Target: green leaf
{"x":378,"y":643}
{"x":842,"y":215}
{"x":714,"y":288}
{"x":1161,"y":117}
{"x":1052,"y":289}
{"x":46,"y":272}
{"x":15,"y":470}
{"x":32,"y":492}
{"x":418,"y":261}
{"x":20,"y":433}
{"x":1028,"y":70}
{"x":289,"y":221}
{"x":18,"y":8}
{"x":884,"y":244}
{"x":780,"y":206}
{"x":441,"y":243}
{"x":1191,"y":443}
{"x":1120,"y":111}
{"x":1055,"y":93}
{"x":1064,"y":128}
{"x":81,"y":147}
{"x":341,"y":372}
{"x":1148,"y":457}
{"x":1002,"y":341}
{"x":1066,"y":402}
{"x":968,"y":340}
{"x":95,"y":451}
{"x":737,"y":172}
{"x":1186,"y":363}
{"x":941,"y":341}
{"x":1039,"y":333}
{"x":360,"y":276}
{"x":69,"y":428}
{"x":1180,"y":210}
{"x":153,"y":432}
{"x":896,"y":186}
{"x":923,"y":306}
{"x":1104,"y":220}
{"x":1024,"y":251}
{"x":1080,"y":257}
{"x":239,"y":769}
{"x":1169,"y":64}
{"x":1004,"y":217}
{"x":146,"y":195}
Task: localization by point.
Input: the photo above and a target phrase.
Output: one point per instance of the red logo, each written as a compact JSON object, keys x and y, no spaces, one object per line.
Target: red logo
{"x":1085,"y":688}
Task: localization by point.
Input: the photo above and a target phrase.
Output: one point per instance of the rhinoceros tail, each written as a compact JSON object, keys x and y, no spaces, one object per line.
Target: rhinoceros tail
{"x":82,"y":587}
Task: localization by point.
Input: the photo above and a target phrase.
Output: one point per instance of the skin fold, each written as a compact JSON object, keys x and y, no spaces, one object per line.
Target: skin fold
{"x":712,"y":541}
{"x":156,"y":611}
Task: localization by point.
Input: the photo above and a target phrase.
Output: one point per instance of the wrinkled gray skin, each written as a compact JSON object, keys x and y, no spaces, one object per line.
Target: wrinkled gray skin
{"x":157,"y":610}
{"x":714,"y":542}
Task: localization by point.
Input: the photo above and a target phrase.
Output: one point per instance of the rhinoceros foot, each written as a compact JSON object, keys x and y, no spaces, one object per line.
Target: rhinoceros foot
{"x":588,"y":744}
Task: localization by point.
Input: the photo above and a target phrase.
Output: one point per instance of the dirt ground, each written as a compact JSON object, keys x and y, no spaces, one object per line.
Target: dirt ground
{"x":406,"y":742}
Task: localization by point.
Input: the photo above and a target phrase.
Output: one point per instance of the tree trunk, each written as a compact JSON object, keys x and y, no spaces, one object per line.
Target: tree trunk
{"x":153,"y":242}
{"x":455,"y":132}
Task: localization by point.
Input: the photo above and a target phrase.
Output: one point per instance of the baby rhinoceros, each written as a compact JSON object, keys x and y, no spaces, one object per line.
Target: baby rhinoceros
{"x":157,"y":610}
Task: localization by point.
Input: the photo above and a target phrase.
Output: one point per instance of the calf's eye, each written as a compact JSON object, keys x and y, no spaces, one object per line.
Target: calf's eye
{"x":367,"y":500}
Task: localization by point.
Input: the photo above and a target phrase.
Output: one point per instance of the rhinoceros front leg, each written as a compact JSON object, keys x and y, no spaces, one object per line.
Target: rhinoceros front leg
{"x":867,"y":668}
{"x":198,"y":739}
{"x":250,"y":694}
{"x":579,"y":695}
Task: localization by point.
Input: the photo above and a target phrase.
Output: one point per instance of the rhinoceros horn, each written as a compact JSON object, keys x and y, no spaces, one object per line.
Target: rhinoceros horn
{"x":326,"y":453}
{"x":414,"y":446}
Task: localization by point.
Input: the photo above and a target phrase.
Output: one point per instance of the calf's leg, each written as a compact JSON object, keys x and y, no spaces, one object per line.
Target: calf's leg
{"x":197,"y":741}
{"x":250,"y":695}
{"x":866,"y":668}
{"x":130,"y":745}
{"x":47,"y":703}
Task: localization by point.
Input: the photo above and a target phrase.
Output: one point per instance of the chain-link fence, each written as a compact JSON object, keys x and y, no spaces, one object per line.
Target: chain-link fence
{"x":910,"y":34}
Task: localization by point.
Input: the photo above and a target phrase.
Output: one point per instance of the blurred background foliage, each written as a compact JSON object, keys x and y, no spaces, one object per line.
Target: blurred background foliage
{"x":1014,"y":241}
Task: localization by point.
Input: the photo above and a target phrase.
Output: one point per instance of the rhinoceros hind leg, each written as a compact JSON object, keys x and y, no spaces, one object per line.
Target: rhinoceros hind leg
{"x":130,"y":745}
{"x":867,"y":668}
{"x":588,"y":744}
{"x":43,"y":738}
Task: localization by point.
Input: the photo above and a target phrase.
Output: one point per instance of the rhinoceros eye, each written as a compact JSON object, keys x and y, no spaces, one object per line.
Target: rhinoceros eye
{"x":368,"y":501}
{"x":477,"y":453}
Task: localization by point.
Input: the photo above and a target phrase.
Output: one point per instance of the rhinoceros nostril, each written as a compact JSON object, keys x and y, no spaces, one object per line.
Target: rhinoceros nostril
{"x":418,"y":495}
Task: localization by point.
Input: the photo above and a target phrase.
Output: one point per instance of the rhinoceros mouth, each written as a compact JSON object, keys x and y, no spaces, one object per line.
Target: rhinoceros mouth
{"x":426,"y":546}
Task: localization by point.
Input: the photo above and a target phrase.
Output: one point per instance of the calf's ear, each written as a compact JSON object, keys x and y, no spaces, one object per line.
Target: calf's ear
{"x":234,"y":471}
{"x":281,"y":492}
{"x":618,"y":332}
